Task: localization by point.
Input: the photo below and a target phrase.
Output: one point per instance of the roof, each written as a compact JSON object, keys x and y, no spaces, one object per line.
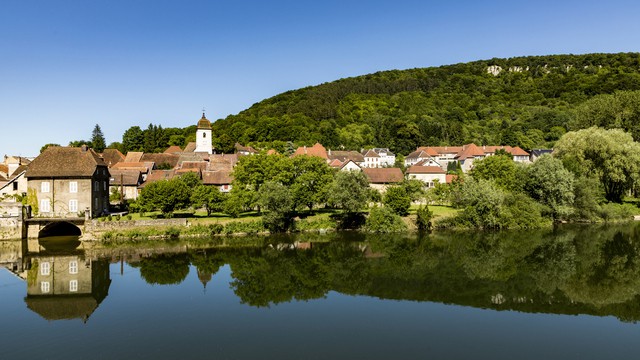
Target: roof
{"x":347,"y":163}
{"x":158,"y":175}
{"x":191,"y":147}
{"x":469,"y":151}
{"x":204,"y":123}
{"x":222,"y":161}
{"x":143,"y":167}
{"x":385,"y":150}
{"x":4,"y":169}
{"x":540,"y":152}
{"x":343,"y":156}
{"x":222,"y":177}
{"x":249,"y":149}
{"x":384,"y":175}
{"x":515,"y":151}
{"x":272,"y":152}
{"x":418,"y":169}
{"x":173,"y":149}
{"x":422,"y":153}
{"x":59,"y":161}
{"x":371,"y":153}
{"x":315,"y":150}
{"x":159,"y":159}
{"x":450,"y":178}
{"x":112,"y":156}
{"x":133,"y":156}
{"x":128,"y":177}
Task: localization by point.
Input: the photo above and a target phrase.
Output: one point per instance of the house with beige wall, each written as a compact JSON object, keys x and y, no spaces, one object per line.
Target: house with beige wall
{"x":67,"y":181}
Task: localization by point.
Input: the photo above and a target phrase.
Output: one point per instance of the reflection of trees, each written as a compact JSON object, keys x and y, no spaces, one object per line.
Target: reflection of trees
{"x":165,"y":269}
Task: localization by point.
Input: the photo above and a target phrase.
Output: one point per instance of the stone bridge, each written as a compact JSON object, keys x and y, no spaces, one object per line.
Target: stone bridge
{"x":41,"y":227}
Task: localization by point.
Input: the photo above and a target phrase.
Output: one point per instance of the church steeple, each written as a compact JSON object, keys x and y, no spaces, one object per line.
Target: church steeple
{"x":203,"y":135}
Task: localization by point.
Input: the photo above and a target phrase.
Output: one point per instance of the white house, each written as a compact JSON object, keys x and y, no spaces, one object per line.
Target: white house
{"x":427,"y":174}
{"x":378,"y":157}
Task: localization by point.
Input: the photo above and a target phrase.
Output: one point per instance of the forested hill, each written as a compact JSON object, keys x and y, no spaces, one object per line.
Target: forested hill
{"x":524,"y":101}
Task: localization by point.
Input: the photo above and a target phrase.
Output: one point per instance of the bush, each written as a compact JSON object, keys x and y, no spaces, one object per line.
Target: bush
{"x":249,"y":227}
{"x":423,"y":218}
{"x":384,"y":220}
{"x":349,"y":220}
{"x":613,"y":211}
{"x":129,"y":217}
{"x":172,"y":232}
{"x":397,"y":199}
{"x":216,"y":228}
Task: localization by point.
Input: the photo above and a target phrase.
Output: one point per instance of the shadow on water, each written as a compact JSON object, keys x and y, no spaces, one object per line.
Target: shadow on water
{"x":60,"y":244}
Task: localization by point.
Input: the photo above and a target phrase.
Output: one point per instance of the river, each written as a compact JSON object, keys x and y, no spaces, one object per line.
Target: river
{"x":571,"y":292}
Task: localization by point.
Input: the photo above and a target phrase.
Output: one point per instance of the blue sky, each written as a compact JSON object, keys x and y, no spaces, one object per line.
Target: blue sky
{"x":67,"y":65}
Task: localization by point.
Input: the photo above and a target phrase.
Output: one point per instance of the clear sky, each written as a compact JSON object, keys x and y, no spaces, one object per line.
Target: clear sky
{"x":67,"y":65}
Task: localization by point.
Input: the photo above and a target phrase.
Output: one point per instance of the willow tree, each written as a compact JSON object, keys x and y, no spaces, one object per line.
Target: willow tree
{"x":610,"y":155}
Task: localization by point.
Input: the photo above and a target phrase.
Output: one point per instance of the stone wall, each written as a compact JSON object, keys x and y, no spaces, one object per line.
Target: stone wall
{"x":10,"y":220}
{"x":97,"y":225}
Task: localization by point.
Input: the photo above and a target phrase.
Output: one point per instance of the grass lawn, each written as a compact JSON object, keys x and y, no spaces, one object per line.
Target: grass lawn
{"x":438,"y":210}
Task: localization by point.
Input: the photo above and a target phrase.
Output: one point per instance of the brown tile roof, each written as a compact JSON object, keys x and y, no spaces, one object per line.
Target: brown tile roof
{"x":222,"y":161}
{"x":315,"y":150}
{"x":417,"y":169}
{"x":336,"y":163}
{"x":217,"y":177}
{"x":422,"y":153}
{"x":191,"y":147}
{"x":133,"y":156}
{"x":4,"y":169}
{"x":143,"y":167}
{"x":158,"y":175}
{"x":515,"y":151}
{"x":173,"y":149}
{"x":197,"y":165}
{"x":112,"y":156}
{"x":245,"y":148}
{"x":190,"y":157}
{"x":125,"y":177}
{"x":159,"y":159}
{"x":58,"y":161}
{"x":384,"y":175}
{"x":343,"y":156}
{"x":371,"y":153}
{"x":450,"y":178}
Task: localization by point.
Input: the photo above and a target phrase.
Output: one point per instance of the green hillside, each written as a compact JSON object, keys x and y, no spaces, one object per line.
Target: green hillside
{"x":526,"y":101}
{"x":529,"y":103}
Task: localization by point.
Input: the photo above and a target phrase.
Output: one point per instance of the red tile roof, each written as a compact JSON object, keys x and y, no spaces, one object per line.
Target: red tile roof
{"x":384,"y":175}
{"x":173,"y":149}
{"x":315,"y":150}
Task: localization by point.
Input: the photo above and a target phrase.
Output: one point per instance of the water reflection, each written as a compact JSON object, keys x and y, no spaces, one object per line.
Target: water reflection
{"x":62,"y":282}
{"x":571,"y":270}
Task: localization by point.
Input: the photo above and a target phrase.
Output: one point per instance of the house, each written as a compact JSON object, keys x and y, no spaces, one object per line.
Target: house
{"x":378,"y":157}
{"x":16,"y":184}
{"x":422,"y":155}
{"x":221,"y":178}
{"x":125,"y":182}
{"x":344,"y":156}
{"x":157,"y":175}
{"x":112,"y":156}
{"x":381,"y":178}
{"x":12,"y":163}
{"x":245,"y":150}
{"x":468,"y":155}
{"x":465,"y":155}
{"x":427,"y":174}
{"x":347,"y":165}
{"x":68,"y":181}
{"x":143,"y":167}
{"x":162,"y":161}
{"x":536,"y":153}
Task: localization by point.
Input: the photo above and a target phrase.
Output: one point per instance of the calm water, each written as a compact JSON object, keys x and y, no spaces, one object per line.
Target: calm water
{"x":572,"y":293}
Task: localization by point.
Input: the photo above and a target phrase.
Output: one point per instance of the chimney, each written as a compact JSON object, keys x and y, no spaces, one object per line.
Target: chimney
{"x":84,"y":148}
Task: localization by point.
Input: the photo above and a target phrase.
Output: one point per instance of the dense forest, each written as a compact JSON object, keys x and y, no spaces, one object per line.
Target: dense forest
{"x":525,"y":101}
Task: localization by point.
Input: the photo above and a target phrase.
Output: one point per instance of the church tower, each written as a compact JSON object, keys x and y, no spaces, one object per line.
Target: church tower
{"x":203,"y":136}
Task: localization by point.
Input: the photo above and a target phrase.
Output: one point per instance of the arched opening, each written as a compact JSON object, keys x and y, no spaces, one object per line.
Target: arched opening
{"x":59,"y":228}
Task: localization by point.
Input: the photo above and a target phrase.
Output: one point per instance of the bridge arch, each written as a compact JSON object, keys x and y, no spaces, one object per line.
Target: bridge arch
{"x":59,"y":228}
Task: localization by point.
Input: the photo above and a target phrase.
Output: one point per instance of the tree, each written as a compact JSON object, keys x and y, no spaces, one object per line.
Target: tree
{"x":165,"y":195}
{"x":133,"y":139}
{"x":278,"y":205}
{"x":500,"y":168}
{"x":384,"y":220}
{"x":208,"y":197}
{"x":610,"y":155}
{"x":44,"y":147}
{"x":397,"y":199}
{"x":311,"y":180}
{"x":349,"y":191}
{"x":97,"y":139}
{"x":549,"y":183}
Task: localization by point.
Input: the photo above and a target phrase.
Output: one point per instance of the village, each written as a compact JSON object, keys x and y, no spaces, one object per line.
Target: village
{"x":71,"y":182}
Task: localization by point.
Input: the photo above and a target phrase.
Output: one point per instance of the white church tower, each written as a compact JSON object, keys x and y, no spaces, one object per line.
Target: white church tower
{"x":203,"y":136}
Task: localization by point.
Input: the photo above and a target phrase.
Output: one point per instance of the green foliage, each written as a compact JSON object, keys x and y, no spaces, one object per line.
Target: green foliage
{"x":620,"y":110}
{"x":32,"y":200}
{"x":349,"y":191}
{"x":44,"y":147}
{"x":97,"y":139}
{"x":397,"y":199}
{"x":613,"y":211}
{"x":166,"y":196}
{"x":423,"y":218}
{"x":500,"y":168}
{"x":481,"y":201}
{"x":190,"y":179}
{"x":277,"y":202}
{"x":208,"y":197}
{"x":548,"y":182}
{"x":384,"y":220}
{"x":610,"y":155}
{"x":164,"y":269}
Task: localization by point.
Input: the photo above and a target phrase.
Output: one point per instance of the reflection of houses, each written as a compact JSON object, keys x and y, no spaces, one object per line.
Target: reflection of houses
{"x":69,"y":180}
{"x":381,"y":178}
{"x":66,"y":286}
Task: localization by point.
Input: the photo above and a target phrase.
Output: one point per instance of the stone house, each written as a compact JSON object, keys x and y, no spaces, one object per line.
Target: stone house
{"x":125,"y":182}
{"x":68,"y":181}
{"x":381,"y":178}
{"x":429,"y":175}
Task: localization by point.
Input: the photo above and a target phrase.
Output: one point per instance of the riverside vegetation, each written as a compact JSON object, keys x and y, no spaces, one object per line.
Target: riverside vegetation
{"x":589,"y":178}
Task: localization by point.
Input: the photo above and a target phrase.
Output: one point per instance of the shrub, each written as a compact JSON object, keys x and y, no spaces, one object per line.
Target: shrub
{"x":384,"y":220}
{"x":129,"y":217}
{"x":397,"y":199}
{"x":613,"y":211}
{"x":423,"y":218}
{"x":172,"y":232}
{"x":216,"y":228}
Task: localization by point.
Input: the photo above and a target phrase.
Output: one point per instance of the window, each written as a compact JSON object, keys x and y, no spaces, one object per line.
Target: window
{"x":73,"y":267}
{"x":96,"y":186}
{"x":95,"y":203}
{"x":73,"y":205}
{"x":44,"y":187}
{"x":73,"y":285}
{"x":45,"y":287}
{"x":15,"y":186}
{"x":104,"y":186}
{"x":45,"y":205}
{"x":204,"y":135}
{"x":45,"y":268}
{"x":73,"y":187}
